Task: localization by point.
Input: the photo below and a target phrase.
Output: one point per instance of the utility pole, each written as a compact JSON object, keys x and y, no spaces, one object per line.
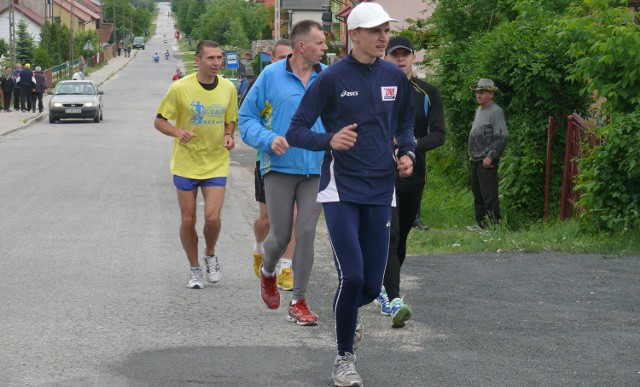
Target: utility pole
{"x":277,"y":21}
{"x":12,"y":34}
{"x":124,"y":21}
{"x":71,"y":37}
{"x":115,"y":34}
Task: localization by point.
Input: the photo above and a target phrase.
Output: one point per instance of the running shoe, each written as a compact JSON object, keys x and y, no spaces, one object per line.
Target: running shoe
{"x":383,"y":302}
{"x":195,"y":279}
{"x":269,"y":291}
{"x":257,"y":261}
{"x":213,"y":268}
{"x":400,"y":313}
{"x":285,"y":279}
{"x":300,"y":313}
{"x":344,"y":371}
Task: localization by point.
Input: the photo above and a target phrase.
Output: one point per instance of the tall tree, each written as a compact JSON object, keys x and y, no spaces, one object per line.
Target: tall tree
{"x":196,"y":10}
{"x":223,"y":16}
{"x":25,"y":43}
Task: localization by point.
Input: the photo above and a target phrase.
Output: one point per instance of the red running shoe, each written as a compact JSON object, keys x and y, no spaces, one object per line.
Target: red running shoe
{"x":269,"y":291}
{"x":300,"y":313}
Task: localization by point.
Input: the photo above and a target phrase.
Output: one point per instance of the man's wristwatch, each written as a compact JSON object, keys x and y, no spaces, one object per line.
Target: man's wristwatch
{"x":412,"y":156}
{"x":229,"y":134}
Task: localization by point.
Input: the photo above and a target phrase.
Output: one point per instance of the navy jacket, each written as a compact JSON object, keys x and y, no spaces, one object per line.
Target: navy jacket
{"x":375,"y":96}
{"x":26,"y":79}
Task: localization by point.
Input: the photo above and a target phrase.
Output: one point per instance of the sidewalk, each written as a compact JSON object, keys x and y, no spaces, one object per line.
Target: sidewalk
{"x":16,"y":120}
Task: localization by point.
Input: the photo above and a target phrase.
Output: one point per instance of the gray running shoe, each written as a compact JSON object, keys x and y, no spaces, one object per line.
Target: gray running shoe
{"x":195,"y":279}
{"x":344,"y":371}
{"x":213,"y":268}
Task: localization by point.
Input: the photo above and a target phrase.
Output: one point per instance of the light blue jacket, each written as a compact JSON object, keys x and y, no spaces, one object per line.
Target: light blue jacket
{"x":266,"y":113}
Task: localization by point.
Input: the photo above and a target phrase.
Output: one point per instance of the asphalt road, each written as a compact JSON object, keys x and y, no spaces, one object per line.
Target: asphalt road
{"x":93,"y":281}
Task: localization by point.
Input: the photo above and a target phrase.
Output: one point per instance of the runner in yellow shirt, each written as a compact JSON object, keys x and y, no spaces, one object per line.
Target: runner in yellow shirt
{"x":204,"y":107}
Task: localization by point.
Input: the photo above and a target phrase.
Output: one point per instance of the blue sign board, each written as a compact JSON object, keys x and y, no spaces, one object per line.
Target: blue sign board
{"x":232,"y":60}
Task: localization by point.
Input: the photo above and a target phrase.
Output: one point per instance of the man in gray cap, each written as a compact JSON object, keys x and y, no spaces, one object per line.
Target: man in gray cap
{"x":487,"y":140}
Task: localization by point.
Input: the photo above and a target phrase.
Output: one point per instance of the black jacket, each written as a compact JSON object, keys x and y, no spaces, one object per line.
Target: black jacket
{"x":428,"y":128}
{"x":7,"y":85}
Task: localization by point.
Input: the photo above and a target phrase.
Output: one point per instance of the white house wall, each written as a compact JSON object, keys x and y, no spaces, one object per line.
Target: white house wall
{"x":32,"y":27}
{"x":298,"y":16}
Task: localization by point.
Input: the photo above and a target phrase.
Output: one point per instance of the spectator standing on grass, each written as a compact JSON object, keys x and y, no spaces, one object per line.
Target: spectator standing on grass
{"x":487,"y":141}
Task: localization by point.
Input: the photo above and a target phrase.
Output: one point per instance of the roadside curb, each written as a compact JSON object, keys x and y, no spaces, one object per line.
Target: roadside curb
{"x":30,"y":122}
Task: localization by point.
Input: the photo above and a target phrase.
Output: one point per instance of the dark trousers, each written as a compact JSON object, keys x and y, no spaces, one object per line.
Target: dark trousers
{"x":404,"y":214}
{"x":16,"y":99}
{"x":7,"y":100}
{"x":36,"y":96}
{"x":484,"y":185}
{"x":359,"y":235}
{"x":25,"y":98}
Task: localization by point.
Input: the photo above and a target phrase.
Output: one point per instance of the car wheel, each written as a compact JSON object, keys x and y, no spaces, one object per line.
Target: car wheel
{"x":96,"y":119}
{"x":101,"y":116}
{"x":52,"y":119}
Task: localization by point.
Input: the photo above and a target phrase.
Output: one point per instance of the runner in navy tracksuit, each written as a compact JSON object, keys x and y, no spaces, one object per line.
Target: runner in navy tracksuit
{"x":358,"y":171}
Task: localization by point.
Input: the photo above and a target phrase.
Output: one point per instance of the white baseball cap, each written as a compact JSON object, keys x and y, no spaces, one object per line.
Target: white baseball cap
{"x":367,"y":15}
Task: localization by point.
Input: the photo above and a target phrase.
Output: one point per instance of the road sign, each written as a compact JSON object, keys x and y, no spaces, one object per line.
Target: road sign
{"x":88,"y":46}
{"x":232,"y":60}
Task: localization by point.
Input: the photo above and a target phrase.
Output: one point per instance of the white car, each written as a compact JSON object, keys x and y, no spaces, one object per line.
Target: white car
{"x":75,"y":99}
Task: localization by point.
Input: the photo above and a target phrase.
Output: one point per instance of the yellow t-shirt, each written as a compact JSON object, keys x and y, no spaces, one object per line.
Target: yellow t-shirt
{"x":205,"y":113}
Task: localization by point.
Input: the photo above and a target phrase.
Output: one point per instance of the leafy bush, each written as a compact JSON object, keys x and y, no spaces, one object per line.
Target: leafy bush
{"x":610,"y":177}
{"x":528,"y":62}
{"x":604,"y":40}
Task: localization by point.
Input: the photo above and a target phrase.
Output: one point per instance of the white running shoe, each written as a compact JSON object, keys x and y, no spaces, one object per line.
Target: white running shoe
{"x":195,"y":279}
{"x":344,"y":371}
{"x":213,"y":268}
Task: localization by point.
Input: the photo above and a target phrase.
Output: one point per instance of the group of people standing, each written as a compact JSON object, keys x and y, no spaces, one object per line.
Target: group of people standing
{"x":349,"y":140}
{"x":25,"y":86}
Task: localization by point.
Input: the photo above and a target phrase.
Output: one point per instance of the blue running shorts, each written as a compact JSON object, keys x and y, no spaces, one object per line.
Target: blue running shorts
{"x":186,"y":184}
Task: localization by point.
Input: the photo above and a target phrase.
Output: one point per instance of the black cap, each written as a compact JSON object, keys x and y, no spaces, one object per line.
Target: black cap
{"x":399,"y":42}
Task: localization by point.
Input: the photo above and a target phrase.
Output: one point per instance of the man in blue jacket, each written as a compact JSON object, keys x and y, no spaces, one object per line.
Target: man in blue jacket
{"x":26,"y":82}
{"x":290,"y":175}
{"x":365,"y":106}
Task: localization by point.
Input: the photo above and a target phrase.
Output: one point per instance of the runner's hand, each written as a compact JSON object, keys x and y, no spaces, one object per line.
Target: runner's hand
{"x":405,"y":166}
{"x":279,"y":145}
{"x":186,"y":136}
{"x":345,"y":138}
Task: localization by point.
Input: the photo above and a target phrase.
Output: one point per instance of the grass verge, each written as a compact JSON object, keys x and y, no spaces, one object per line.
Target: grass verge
{"x":448,"y":210}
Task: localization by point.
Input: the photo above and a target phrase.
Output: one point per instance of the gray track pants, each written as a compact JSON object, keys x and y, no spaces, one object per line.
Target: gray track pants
{"x":282,"y":192}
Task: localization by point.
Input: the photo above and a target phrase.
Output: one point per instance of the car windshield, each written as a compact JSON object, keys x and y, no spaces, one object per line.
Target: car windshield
{"x":76,"y":89}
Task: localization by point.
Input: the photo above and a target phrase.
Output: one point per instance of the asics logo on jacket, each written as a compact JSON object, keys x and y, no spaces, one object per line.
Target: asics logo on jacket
{"x":349,"y":94}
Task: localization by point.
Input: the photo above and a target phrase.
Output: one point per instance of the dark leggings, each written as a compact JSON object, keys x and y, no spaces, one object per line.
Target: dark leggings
{"x":359,"y":236}
{"x":404,"y":214}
